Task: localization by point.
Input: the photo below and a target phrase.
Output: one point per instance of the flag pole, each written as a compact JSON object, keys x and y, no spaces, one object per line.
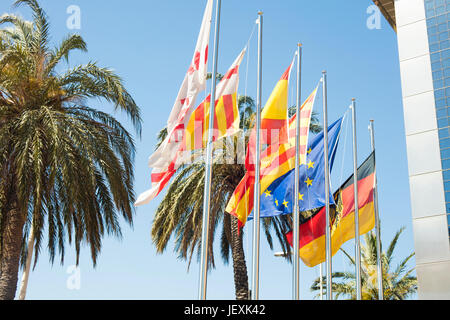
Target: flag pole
{"x":296,"y":220}
{"x":208,"y":168}
{"x":377,"y":220}
{"x":321,"y":282}
{"x":257,"y":193}
{"x":355,"y":184}
{"x":327,"y":189}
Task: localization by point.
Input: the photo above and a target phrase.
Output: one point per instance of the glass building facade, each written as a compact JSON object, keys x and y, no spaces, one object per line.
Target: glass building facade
{"x":438,"y":23}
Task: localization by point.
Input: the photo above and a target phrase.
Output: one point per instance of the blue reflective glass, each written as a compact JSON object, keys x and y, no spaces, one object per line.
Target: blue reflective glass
{"x":436,"y":66}
{"x":438,"y":84}
{"x":446,"y":63}
{"x":446,"y":84}
{"x":441,"y":19}
{"x":442,"y":27}
{"x":445,"y":44}
{"x":441,"y":113}
{"x":444,"y":143}
{"x":430,"y":13}
{"x":447,"y":92}
{"x":440,"y":10}
{"x":444,"y":133}
{"x":445,"y":54}
{"x":447,"y":205}
{"x":442,"y":123}
{"x":431,"y":22}
{"x":433,"y":39}
{"x":433,"y":30}
{"x":434,"y":47}
{"x":435,"y":57}
{"x":447,"y":186}
{"x":439,"y":94}
{"x":439,"y":2}
{"x":437,"y":75}
{"x":448,"y":219}
{"x":440,"y":103}
{"x":443,"y":36}
{"x":446,"y":175}
{"x":445,"y":154}
{"x":447,"y":73}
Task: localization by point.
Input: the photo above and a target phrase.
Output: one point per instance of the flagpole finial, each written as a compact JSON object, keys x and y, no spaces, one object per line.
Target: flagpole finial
{"x":353,"y":99}
{"x":260,"y":13}
{"x":299,"y":44}
{"x":324,"y":71}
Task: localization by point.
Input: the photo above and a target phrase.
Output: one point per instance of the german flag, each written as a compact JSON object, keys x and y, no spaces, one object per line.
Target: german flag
{"x":342,"y":215}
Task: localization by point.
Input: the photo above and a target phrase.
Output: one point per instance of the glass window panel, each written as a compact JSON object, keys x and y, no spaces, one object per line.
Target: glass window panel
{"x":441,"y":113}
{"x":437,"y":75}
{"x":447,"y":197}
{"x":445,"y":143}
{"x":439,"y":94}
{"x":445,"y":54}
{"x":445,"y":154}
{"x":440,"y":103}
{"x":433,"y":30}
{"x":440,"y":10}
{"x":441,"y":19}
{"x":431,"y":22}
{"x":446,"y":165}
{"x":444,"y":133}
{"x":447,"y":92}
{"x":442,"y":123}
{"x":446,"y":73}
{"x":430,"y":12}
{"x":433,"y":38}
{"x":443,"y":36}
{"x":435,"y":57}
{"x":447,"y":205}
{"x":439,"y":2}
{"x":436,"y":66}
{"x":442,"y":27}
{"x":447,"y":83}
{"x":446,"y":175}
{"x":446,"y":63}
{"x":448,"y":220}
{"x":438,"y":84}
{"x":434,"y":47}
{"x":445,"y":44}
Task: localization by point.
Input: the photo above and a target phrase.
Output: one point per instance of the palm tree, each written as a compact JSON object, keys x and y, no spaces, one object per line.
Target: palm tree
{"x":398,"y":284}
{"x":65,"y":167}
{"x":180,"y":212}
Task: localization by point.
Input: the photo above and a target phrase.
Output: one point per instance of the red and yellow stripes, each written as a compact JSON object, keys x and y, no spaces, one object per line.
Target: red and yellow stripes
{"x":276,"y":160}
{"x":226,"y":117}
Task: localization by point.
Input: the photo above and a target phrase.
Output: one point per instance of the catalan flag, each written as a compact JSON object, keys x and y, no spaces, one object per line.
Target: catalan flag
{"x":276,"y":160}
{"x":163,"y":160}
{"x":226,"y":118}
{"x":342,"y":214}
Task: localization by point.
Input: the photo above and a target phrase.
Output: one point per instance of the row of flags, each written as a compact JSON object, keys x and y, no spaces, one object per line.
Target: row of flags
{"x":187,"y":131}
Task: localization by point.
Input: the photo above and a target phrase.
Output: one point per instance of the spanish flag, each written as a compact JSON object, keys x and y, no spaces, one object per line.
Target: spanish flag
{"x":226,"y":118}
{"x":312,"y":229}
{"x":276,"y":160}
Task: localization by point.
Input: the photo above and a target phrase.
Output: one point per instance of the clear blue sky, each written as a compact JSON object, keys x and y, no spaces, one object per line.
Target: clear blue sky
{"x":150,"y":44}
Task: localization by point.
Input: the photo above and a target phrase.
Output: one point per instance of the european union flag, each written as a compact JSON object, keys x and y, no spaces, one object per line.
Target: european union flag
{"x":279,"y":196}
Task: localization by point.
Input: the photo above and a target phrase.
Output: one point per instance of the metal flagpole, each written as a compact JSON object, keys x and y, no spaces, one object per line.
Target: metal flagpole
{"x":355,"y":184}
{"x":257,"y":194}
{"x":327,"y":188}
{"x":296,"y":220}
{"x":321,"y":282}
{"x":208,"y":165}
{"x":377,"y":220}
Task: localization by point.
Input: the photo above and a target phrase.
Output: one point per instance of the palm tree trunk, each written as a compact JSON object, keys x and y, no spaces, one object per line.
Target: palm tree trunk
{"x":239,"y":264}
{"x":10,"y":255}
{"x":26,"y":271}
